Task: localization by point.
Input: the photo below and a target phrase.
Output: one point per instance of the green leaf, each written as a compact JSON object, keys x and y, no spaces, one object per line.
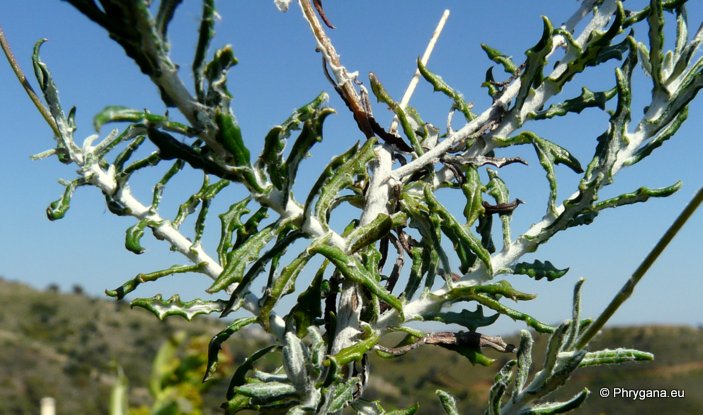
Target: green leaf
{"x":308,"y":308}
{"x":132,"y":284}
{"x":458,"y":233}
{"x":364,"y":236}
{"x":116,"y":207}
{"x":497,"y":188}
{"x":311,"y":116}
{"x":539,"y":270}
{"x":294,"y":361}
{"x":500,"y":58}
{"x":489,"y":83}
{"x":383,"y":96}
{"x":134,"y":235}
{"x":170,"y":148}
{"x":500,"y":384}
{"x":524,"y":362}
{"x":216,"y":76}
{"x":282,"y":285}
{"x":367,"y":407}
{"x":149,"y":161}
{"x":417,"y":270}
{"x":488,"y":295}
{"x":272,"y":155}
{"x":272,"y":255}
{"x":472,"y":189}
{"x":558,"y":154}
{"x":656,"y":44}
{"x":238,"y":258}
{"x":324,"y":178}
{"x":532,"y":75}
{"x":577,"y":324}
{"x":251,"y":226}
{"x":447,"y":401}
{"x":485,"y":229}
{"x":231,"y":221}
{"x":218,"y":339}
{"x":429,"y":224}
{"x":175,"y":307}
{"x":318,"y":351}
{"x":356,"y":351}
{"x":343,"y":394}
{"x":116,"y":113}
{"x":239,"y":376}
{"x":127,"y":153}
{"x":550,"y":408}
{"x":51,"y":95}
{"x":554,"y":346}
{"x":230,"y":136}
{"x":206,"y":192}
{"x":339,"y":175}
{"x":58,"y":208}
{"x":470,"y":352}
{"x":351,"y":269}
{"x":587,"y":99}
{"x":407,"y":411}
{"x":268,"y":391}
{"x":689,"y":83}
{"x":159,"y":187}
{"x":363,"y":407}
{"x":685,"y":50}
{"x":311,"y":134}
{"x":469,"y":319}
{"x":615,"y":357}
{"x":495,"y":290}
{"x":236,"y":404}
{"x":640,"y":195}
{"x":205,"y":35}
{"x":439,"y":85}
{"x":664,"y":134}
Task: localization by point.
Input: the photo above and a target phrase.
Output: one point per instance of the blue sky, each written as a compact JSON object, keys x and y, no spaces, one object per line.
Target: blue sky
{"x":279,"y":71}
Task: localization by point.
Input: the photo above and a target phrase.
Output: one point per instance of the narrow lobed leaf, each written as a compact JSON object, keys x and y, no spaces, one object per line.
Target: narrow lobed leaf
{"x":551,"y":408}
{"x":500,"y":58}
{"x":447,"y":401}
{"x":217,"y":340}
{"x":355,"y":271}
{"x":615,"y":357}
{"x":539,"y":270}
{"x":175,"y":307}
{"x":441,"y":86}
{"x":457,"y":232}
{"x":132,"y":284}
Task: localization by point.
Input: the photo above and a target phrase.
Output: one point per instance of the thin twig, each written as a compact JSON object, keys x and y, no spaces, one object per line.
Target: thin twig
{"x":627,"y":289}
{"x":425,"y":58}
{"x":26,"y":85}
{"x":445,"y":338}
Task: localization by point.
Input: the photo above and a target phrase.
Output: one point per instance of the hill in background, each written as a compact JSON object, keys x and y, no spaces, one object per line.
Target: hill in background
{"x":65,"y":346}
